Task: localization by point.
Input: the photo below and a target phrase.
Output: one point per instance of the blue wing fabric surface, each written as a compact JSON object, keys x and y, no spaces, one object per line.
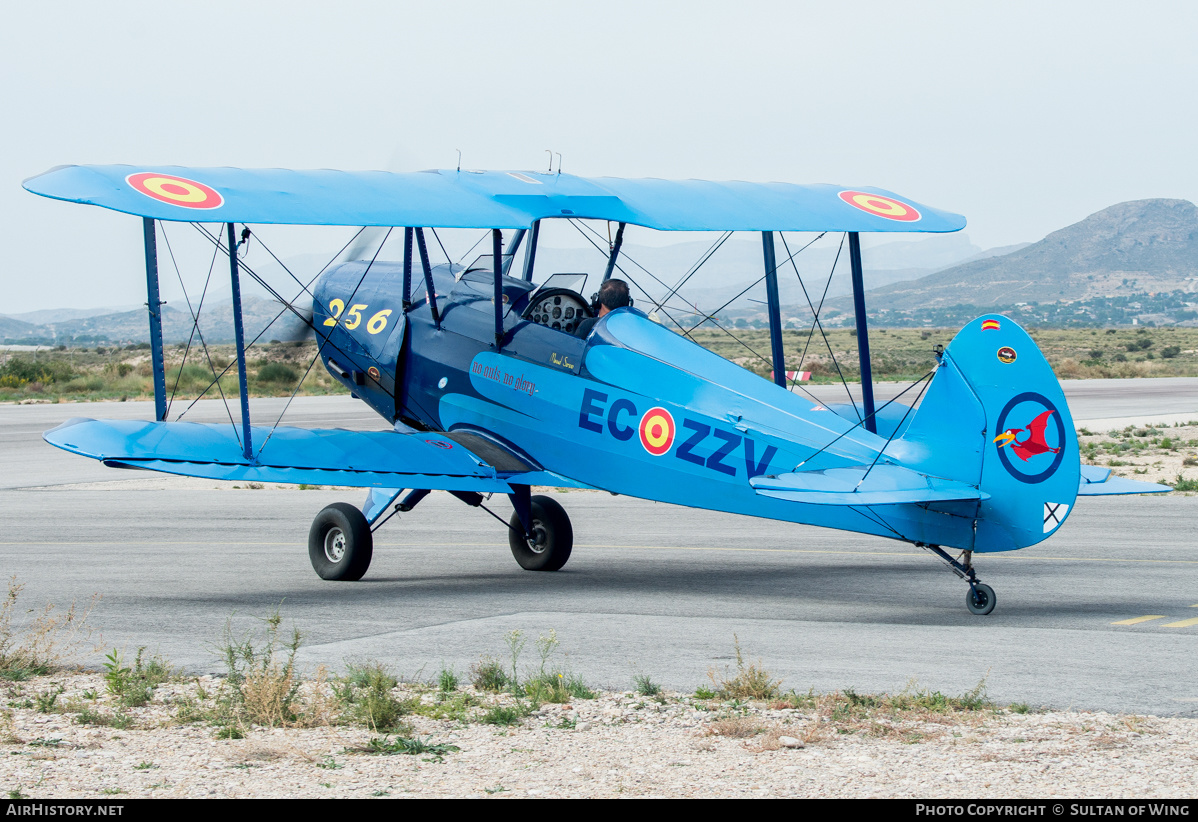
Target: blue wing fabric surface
{"x":1097,"y":481}
{"x":864,"y":485}
{"x":368,"y":459}
{"x":490,"y":199}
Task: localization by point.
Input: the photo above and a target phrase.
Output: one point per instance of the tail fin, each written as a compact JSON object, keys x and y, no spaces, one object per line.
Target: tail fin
{"x":996,"y":417}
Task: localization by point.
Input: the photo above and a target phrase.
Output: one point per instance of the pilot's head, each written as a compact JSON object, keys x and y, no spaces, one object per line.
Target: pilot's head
{"x":613,"y":294}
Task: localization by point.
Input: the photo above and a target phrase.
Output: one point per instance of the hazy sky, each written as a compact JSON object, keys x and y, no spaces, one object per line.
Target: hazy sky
{"x":1024,"y":117}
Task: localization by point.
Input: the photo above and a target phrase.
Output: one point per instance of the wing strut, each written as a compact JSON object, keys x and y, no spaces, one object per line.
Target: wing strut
{"x":775,"y":310}
{"x":497,"y":257}
{"x":407,"y":269}
{"x":867,"y":377}
{"x":615,"y":252}
{"x":154,"y":304}
{"x":239,"y":331}
{"x":509,"y":253}
{"x":430,"y":292}
{"x":530,"y":256}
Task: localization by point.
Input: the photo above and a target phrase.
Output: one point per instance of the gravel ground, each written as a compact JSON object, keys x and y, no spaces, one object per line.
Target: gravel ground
{"x":618,"y":744}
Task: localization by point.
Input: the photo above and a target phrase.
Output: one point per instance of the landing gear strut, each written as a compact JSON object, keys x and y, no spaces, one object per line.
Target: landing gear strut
{"x":341,"y":540}
{"x":980,"y":598}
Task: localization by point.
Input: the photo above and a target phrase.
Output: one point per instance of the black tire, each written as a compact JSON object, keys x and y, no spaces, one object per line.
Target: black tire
{"x":340,"y":544}
{"x":980,"y":600}
{"x":553,"y":537}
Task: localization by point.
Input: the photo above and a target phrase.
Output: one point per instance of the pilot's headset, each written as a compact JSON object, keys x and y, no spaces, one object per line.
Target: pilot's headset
{"x":595,"y":303}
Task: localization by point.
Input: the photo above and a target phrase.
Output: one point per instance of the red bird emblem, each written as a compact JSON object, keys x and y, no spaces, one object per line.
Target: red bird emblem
{"x":1031,"y":445}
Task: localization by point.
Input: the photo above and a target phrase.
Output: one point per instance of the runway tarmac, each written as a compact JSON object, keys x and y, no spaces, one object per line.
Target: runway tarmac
{"x":651,"y":589}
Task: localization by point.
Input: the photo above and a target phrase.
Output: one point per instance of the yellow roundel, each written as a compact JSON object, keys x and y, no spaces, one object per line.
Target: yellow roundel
{"x":179,"y":191}
{"x":657,"y":431}
{"x":880,"y":206}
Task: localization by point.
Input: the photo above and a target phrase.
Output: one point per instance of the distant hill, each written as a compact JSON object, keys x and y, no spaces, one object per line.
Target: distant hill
{"x":737,"y":264}
{"x":12,"y":329}
{"x":216,"y":323}
{"x":1140,"y":247}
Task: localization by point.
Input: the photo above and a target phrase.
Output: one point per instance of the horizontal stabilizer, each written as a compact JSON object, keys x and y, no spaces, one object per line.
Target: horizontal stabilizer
{"x":1100,"y":482}
{"x":368,"y":459}
{"x":862,"y":485}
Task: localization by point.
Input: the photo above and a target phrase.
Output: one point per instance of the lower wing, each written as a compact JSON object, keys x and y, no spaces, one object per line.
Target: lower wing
{"x":367,"y":459}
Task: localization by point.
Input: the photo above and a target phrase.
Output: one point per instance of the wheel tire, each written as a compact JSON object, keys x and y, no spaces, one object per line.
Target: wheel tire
{"x":340,"y":544}
{"x":553,"y":537}
{"x":980,"y":599}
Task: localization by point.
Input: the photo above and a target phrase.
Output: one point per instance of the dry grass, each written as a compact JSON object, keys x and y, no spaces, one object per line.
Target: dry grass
{"x":49,"y":640}
{"x":262,"y":682}
{"x":913,"y":715}
{"x":8,"y":736}
{"x":735,"y":727}
{"x":751,"y":681}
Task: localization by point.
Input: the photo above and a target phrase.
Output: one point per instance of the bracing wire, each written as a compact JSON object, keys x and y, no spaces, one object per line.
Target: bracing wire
{"x":195,"y":331}
{"x":815,"y":318}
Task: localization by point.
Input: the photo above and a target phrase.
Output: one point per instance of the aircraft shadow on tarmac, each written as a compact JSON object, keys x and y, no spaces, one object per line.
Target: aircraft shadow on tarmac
{"x":853,"y":590}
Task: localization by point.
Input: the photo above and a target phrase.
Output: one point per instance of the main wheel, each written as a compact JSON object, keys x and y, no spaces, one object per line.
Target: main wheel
{"x":340,"y":544}
{"x":553,"y":537}
{"x":980,"y":599}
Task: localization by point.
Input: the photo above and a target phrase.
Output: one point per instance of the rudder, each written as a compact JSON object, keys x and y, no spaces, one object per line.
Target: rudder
{"x":1030,"y":464}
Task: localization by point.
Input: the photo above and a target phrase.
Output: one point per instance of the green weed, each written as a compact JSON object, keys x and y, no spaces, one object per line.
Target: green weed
{"x":447,"y":681}
{"x":454,"y":707}
{"x":366,"y":694}
{"x":488,"y":675}
{"x":515,"y":644}
{"x":547,"y":688}
{"x":646,"y":686}
{"x":45,"y":702}
{"x":793,"y":699}
{"x":412,"y":746}
{"x":506,"y":715}
{"x":1183,"y":484}
{"x":118,"y":719}
{"x":134,"y":686}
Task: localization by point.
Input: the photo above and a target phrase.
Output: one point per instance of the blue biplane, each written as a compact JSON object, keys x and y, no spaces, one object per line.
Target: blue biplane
{"x":490,"y":391}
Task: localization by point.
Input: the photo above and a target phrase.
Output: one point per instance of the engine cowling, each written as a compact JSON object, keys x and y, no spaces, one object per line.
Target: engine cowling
{"x":359,"y":321}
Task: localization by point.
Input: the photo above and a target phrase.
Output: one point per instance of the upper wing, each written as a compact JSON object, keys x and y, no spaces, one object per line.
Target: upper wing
{"x":491,"y":199}
{"x":368,"y":459}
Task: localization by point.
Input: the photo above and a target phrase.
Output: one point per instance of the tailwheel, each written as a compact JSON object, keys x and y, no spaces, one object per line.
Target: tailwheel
{"x":550,"y":540}
{"x":340,"y":544}
{"x":980,"y":599}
